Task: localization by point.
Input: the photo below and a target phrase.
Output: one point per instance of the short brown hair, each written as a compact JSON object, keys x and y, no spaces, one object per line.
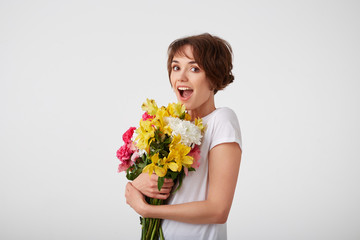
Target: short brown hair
{"x":213,"y":54}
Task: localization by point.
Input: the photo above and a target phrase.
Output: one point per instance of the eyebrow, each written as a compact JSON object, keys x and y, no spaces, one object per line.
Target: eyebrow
{"x":191,"y":62}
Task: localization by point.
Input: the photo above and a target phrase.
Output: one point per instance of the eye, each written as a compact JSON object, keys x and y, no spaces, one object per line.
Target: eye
{"x":175,"y":68}
{"x":195,"y":69}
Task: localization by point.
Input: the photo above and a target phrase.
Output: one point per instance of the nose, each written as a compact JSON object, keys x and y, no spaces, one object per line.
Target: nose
{"x":182,"y":76}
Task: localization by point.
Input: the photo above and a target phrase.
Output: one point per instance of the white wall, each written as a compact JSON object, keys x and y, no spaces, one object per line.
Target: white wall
{"x":73,"y":75}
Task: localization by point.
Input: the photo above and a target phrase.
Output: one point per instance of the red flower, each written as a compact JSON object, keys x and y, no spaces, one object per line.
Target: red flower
{"x":124,"y":153}
{"x":146,"y":116}
{"x":128,"y":134}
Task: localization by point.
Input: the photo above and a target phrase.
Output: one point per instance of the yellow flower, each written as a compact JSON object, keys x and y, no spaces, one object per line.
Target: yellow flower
{"x":154,"y":166}
{"x":187,"y":117}
{"x":176,"y":109}
{"x":150,"y":106}
{"x":169,"y":161}
{"x":199,"y":124}
{"x":176,"y":140}
{"x":178,"y":154}
{"x":145,"y":133}
{"x":159,"y":123}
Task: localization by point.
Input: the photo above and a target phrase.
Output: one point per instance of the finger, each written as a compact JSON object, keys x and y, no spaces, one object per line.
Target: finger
{"x":153,"y":195}
{"x":156,"y":192}
{"x":168,"y":180}
{"x":165,"y":189}
{"x":154,"y":177}
{"x":154,"y":185}
{"x":126,"y":192}
{"x":129,"y":187}
{"x":161,"y":196}
{"x":168,"y":184}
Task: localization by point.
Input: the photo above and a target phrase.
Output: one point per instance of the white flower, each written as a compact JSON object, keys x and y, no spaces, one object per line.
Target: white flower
{"x":189,"y":132}
{"x":141,"y":152}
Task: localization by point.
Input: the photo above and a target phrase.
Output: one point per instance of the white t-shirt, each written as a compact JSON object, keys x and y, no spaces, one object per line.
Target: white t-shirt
{"x":222,"y":126}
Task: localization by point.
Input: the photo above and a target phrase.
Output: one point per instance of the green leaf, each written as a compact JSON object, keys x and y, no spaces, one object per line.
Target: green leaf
{"x":182,"y":116}
{"x":163,"y":153}
{"x":157,"y":136}
{"x":127,"y":174}
{"x":180,"y":178}
{"x":131,"y":175}
{"x":174,"y":175}
{"x":167,"y":140}
{"x":160,"y":182}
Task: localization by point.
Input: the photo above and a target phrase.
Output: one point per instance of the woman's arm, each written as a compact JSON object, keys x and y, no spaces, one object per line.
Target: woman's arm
{"x":224,"y":163}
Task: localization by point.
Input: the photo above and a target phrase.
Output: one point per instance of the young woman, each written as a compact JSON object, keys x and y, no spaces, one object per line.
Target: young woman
{"x":198,"y":67}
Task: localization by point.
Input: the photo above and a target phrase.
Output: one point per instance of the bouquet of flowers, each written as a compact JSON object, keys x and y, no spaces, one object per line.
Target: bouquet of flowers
{"x":167,"y":143}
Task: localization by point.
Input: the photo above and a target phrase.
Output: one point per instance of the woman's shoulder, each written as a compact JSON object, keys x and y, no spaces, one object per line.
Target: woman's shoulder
{"x":220,"y":117}
{"x":223,"y":127}
{"x":224,"y":113}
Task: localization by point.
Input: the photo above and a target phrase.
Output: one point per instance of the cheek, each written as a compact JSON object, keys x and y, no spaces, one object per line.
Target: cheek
{"x":208,"y":84}
{"x":205,"y":93}
{"x":205,"y":88}
{"x":172,"y":80}
{"x":204,"y":84}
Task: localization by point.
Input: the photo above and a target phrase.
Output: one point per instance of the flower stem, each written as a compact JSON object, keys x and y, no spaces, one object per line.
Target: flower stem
{"x":161,"y":234}
{"x":155,"y":229}
{"x":151,"y":227}
{"x":149,"y":230}
{"x":143,"y":228}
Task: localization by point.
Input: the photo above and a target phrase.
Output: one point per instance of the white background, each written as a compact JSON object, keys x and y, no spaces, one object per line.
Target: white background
{"x":74,"y":74}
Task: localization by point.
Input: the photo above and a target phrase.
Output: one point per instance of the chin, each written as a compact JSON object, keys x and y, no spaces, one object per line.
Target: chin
{"x":179,"y":100}
{"x":188,"y":106}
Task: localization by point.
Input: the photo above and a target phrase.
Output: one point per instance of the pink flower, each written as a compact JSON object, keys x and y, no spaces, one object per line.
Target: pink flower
{"x":124,"y":153}
{"x":186,"y":171}
{"x":146,"y":116}
{"x":124,"y":166}
{"x":195,"y":153}
{"x":127,"y":156}
{"x":132,"y":146}
{"x":128,"y":134}
{"x":134,"y":157}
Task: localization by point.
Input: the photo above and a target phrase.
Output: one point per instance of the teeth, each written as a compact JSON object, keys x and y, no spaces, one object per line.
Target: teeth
{"x":184,"y":88}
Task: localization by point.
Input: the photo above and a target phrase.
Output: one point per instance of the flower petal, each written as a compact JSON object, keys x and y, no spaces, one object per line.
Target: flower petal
{"x":173,"y":166}
{"x":149,"y":168}
{"x":160,"y":171}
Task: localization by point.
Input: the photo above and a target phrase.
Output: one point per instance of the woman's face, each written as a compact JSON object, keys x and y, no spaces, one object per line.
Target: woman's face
{"x":190,"y":83}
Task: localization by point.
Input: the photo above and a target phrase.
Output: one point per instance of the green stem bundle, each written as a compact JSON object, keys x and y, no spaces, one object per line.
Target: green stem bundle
{"x":151,"y":227}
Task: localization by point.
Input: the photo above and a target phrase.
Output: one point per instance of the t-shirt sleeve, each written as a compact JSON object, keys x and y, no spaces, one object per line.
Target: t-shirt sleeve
{"x":226,"y":128}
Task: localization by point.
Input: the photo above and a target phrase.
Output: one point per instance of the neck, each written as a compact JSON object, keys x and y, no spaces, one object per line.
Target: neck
{"x":203,"y":110}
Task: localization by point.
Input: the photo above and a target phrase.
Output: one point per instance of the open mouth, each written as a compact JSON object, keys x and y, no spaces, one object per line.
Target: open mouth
{"x":185,"y":92}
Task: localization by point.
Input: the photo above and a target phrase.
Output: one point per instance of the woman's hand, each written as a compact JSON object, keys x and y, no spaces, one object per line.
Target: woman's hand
{"x":148,"y":185}
{"x":135,"y":199}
